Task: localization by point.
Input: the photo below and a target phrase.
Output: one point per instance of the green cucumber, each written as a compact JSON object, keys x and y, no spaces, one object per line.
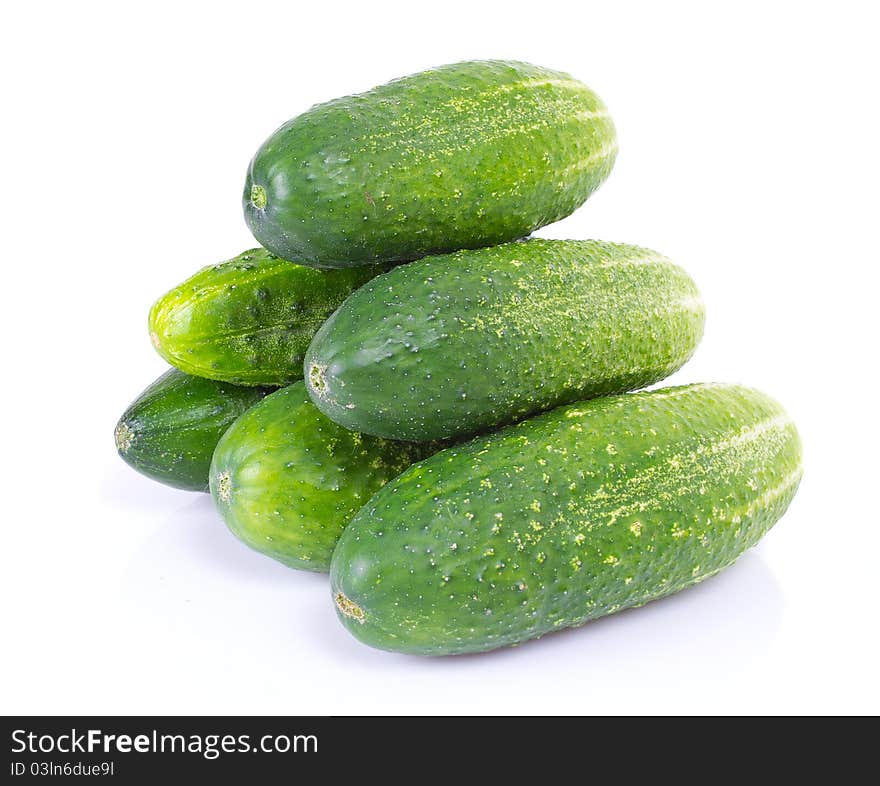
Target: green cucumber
{"x":451,"y":345}
{"x":580,"y":512}
{"x":248,"y":320}
{"x":462,"y":156}
{"x":170,"y":431}
{"x":287,"y":480}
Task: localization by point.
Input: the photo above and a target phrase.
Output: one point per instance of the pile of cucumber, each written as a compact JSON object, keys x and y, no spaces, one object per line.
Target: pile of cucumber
{"x":400,"y":388}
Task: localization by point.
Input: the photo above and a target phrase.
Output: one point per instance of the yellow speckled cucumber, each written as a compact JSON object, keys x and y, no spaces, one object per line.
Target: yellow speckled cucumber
{"x":248,"y":320}
{"x":462,"y":156}
{"x":286,"y":479}
{"x":574,"y":514}
{"x":451,"y":345}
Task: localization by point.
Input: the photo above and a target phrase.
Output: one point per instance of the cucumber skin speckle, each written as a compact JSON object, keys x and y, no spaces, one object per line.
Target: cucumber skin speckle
{"x":248,"y":320}
{"x":287,"y":480}
{"x":577,"y":513}
{"x":448,"y":346}
{"x":462,"y":156}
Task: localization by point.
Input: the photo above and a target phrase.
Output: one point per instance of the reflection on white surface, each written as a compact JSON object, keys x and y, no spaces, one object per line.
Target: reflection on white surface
{"x":230,"y":608}
{"x":123,"y":489}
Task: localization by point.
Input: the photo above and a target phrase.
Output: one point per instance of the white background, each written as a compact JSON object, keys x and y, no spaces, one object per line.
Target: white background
{"x":748,"y":153}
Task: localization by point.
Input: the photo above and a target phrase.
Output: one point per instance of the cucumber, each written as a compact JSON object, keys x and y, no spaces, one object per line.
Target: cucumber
{"x":577,"y":513}
{"x":287,"y":480}
{"x":170,"y":431}
{"x":451,"y":345}
{"x":248,"y":320}
{"x":463,"y":156}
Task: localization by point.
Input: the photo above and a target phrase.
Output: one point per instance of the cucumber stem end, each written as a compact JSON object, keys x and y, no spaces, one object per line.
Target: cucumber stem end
{"x":349,"y":608}
{"x":124,"y":437}
{"x":258,"y":197}
{"x":224,"y":486}
{"x":316,"y":378}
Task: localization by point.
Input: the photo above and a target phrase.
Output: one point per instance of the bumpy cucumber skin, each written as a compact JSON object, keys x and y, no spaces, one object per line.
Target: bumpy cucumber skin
{"x":462,"y":156}
{"x":577,"y":513}
{"x":287,"y":480}
{"x":451,"y":345}
{"x":248,"y":320}
{"x":170,"y":431}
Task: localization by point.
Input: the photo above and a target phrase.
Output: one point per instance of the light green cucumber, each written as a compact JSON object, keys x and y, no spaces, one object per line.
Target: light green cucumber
{"x":577,"y":513}
{"x":248,"y":320}
{"x":286,"y":479}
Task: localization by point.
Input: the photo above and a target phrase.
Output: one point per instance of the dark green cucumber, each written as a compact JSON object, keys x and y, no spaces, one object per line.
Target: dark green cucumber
{"x":462,"y":156}
{"x":287,"y":480}
{"x":170,"y":431}
{"x":450,"y":345}
{"x":577,"y":513}
{"x":248,"y":320}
